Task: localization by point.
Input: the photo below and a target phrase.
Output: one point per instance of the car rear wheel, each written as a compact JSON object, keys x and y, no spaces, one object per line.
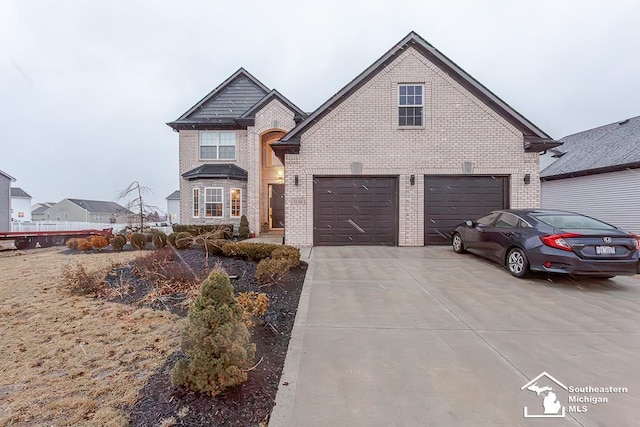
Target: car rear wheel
{"x":517,"y":263}
{"x":457,"y":244}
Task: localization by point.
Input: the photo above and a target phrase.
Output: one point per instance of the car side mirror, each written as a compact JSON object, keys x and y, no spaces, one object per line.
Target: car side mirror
{"x":469,"y":223}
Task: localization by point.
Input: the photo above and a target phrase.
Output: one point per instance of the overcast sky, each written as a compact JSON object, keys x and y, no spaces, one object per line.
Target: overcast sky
{"x":86,"y":87}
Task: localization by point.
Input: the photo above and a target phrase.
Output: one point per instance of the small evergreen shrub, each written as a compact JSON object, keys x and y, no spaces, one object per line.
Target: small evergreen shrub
{"x":272,"y":271}
{"x":196,"y":230}
{"x":184,"y":240}
{"x":118,"y":242}
{"x":84,"y":245}
{"x":216,"y":340}
{"x":251,"y":251}
{"x":254,"y":305}
{"x":243,"y":230}
{"x":138,"y":241}
{"x":171,"y":239}
{"x":287,"y":252}
{"x":159,"y":240}
{"x":99,"y":242}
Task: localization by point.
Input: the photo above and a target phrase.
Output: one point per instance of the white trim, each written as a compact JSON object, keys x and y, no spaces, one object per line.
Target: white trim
{"x":217,"y":145}
{"x":422,"y":105}
{"x":231,"y":202}
{"x":194,"y":200}
{"x":214,"y":203}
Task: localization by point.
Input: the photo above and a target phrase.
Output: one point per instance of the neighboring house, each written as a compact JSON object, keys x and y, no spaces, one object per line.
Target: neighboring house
{"x":20,"y":205}
{"x":38,"y":211}
{"x":79,"y":210}
{"x":597,"y":173}
{"x":5,"y":201}
{"x":399,"y":156}
{"x":173,"y":207}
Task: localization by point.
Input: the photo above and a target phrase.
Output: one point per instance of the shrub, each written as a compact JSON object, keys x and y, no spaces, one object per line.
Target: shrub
{"x":287,"y":252}
{"x":84,"y":245}
{"x":254,"y":305}
{"x":251,"y":251}
{"x":138,"y":241}
{"x":243,"y":230}
{"x":271,"y":271}
{"x":216,"y":340}
{"x":184,"y":240}
{"x":196,"y":230}
{"x":78,"y":280}
{"x":159,"y":240}
{"x":118,"y":242}
{"x":149,"y":237}
{"x":171,"y":239}
{"x":73,"y":243}
{"x":99,"y":242}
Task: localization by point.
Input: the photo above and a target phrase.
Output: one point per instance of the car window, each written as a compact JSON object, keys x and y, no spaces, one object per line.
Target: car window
{"x":507,"y":220}
{"x":488,"y":219}
{"x":523,"y":224}
{"x":573,"y":222}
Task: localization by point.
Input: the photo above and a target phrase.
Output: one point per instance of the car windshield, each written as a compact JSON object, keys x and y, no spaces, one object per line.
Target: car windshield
{"x":573,"y":222}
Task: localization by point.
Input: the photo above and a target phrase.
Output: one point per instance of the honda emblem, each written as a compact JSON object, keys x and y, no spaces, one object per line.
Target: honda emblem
{"x":606,"y":239}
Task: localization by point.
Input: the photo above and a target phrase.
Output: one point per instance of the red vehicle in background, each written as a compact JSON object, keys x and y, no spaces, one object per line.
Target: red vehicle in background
{"x":29,"y":239}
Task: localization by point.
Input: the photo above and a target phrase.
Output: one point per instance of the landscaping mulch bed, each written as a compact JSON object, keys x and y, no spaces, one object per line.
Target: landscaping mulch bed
{"x":248,"y":404}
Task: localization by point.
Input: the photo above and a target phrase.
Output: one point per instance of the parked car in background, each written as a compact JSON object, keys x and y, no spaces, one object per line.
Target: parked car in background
{"x":549,"y":241}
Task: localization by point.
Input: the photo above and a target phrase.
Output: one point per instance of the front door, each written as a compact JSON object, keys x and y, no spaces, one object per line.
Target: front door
{"x":276,"y":205}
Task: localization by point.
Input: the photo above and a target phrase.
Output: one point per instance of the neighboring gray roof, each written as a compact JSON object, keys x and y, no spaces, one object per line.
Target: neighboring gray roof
{"x":226,"y":103}
{"x":225,"y":171}
{"x":19,"y":192}
{"x":8,"y":176}
{"x":174,"y":196}
{"x":608,"y":148}
{"x":535,"y":138}
{"x":40,"y":210}
{"x":98,"y":206}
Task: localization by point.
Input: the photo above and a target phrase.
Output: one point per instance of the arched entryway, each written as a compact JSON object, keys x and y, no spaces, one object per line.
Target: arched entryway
{"x":271,"y":183}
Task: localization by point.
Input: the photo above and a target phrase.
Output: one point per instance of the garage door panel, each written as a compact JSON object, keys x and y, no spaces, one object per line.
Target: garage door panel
{"x":450,"y":200}
{"x":359,"y":211}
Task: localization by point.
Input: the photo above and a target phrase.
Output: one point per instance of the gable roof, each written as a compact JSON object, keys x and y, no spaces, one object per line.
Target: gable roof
{"x":43,"y":207}
{"x":19,"y":192}
{"x":174,"y":196}
{"x":535,"y":139}
{"x":99,"y":206}
{"x":12,"y":179}
{"x":224,"y":105}
{"x":607,"y":148}
{"x":299,"y":115}
{"x":211,"y":171}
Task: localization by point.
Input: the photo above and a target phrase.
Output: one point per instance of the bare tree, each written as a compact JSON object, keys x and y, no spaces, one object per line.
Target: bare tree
{"x":137,"y":204}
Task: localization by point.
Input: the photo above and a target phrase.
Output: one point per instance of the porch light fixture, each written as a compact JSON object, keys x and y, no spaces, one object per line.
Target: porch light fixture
{"x":295,"y":180}
{"x":412,"y":180}
{"x":527,"y":179}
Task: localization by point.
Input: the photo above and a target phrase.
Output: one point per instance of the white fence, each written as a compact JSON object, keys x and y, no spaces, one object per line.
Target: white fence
{"x":63,"y":226}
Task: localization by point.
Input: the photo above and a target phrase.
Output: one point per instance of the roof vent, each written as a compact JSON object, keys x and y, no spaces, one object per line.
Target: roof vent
{"x":624,"y":122}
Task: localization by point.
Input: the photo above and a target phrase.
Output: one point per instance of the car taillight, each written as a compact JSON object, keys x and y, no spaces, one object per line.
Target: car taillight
{"x":637,"y":241}
{"x":558,"y":241}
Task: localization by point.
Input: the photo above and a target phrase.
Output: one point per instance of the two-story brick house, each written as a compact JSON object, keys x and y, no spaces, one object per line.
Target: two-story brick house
{"x":410,"y":147}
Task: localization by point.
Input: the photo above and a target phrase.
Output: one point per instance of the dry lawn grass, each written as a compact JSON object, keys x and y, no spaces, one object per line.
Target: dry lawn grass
{"x":72,"y":360}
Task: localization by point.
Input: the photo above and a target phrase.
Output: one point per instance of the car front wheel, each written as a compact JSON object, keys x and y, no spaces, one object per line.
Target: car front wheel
{"x":457,"y":244}
{"x":517,"y":263}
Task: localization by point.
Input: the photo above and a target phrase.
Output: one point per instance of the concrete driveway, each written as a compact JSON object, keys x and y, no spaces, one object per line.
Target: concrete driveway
{"x":423,"y":336}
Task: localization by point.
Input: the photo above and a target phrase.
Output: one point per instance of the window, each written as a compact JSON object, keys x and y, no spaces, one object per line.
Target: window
{"x":487,"y":220}
{"x":573,"y":222}
{"x":196,"y":202}
{"x":218,"y":145}
{"x":20,"y":214}
{"x":508,"y":221}
{"x":410,"y":103}
{"x":213,"y":202}
{"x":236,"y":197}
{"x":98,"y":217}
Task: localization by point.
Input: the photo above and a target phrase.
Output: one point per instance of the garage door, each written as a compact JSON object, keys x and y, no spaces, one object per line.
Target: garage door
{"x":450,"y":200}
{"x":355,"y":211}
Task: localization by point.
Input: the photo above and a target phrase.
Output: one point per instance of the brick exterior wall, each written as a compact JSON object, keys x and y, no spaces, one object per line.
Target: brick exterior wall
{"x":274,"y":116}
{"x":363,"y":129}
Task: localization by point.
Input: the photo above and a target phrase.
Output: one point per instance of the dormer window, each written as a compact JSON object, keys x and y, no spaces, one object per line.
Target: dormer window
{"x":410,"y":104}
{"x":217,"y":145}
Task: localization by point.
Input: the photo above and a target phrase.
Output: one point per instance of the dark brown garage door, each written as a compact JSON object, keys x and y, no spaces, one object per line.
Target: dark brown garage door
{"x":355,"y":211}
{"x":450,"y":200}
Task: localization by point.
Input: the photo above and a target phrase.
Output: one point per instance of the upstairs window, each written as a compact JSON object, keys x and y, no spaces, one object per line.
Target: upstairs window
{"x":410,"y":105}
{"x":217,"y":145}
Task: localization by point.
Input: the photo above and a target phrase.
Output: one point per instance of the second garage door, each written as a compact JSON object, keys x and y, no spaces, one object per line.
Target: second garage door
{"x":355,"y":211}
{"x":450,"y":200}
